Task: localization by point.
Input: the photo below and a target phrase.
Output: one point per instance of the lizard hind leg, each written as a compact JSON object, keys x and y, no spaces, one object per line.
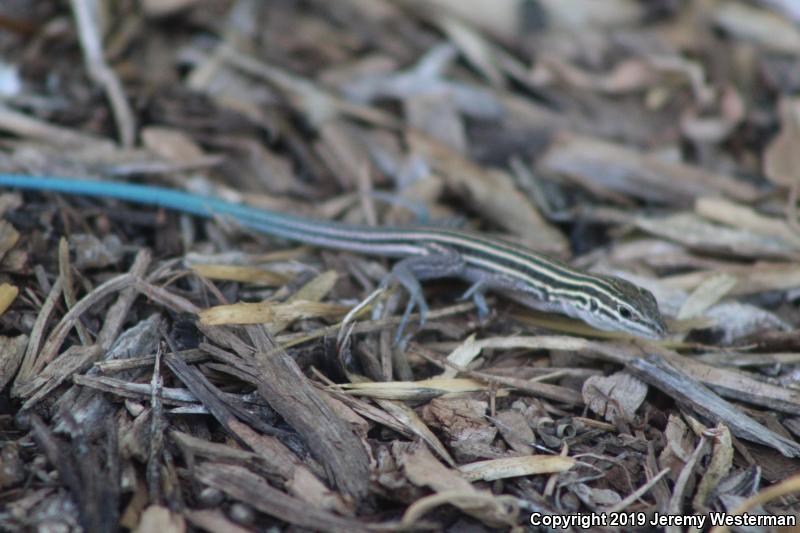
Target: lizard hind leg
{"x":409,"y":272}
{"x":476,"y":293}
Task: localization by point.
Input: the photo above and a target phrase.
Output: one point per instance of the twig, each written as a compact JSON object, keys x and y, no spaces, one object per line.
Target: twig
{"x":100,"y":72}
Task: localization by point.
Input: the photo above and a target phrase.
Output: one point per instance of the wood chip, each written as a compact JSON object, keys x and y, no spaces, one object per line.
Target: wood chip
{"x":516,"y":466}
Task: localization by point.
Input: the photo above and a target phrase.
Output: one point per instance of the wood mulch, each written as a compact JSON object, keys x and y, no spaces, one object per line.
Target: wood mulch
{"x":161,"y":372}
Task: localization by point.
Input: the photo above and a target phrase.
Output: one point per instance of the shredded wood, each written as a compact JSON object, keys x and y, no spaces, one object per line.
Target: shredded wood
{"x":165,"y":372}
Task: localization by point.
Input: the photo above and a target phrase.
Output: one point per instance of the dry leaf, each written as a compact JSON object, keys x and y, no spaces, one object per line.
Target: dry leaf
{"x":171,"y":145}
{"x":627,"y":76}
{"x":738,"y":320}
{"x":475,"y":47}
{"x":316,"y":289}
{"x":514,"y":428}
{"x":462,"y":356}
{"x":423,"y":469}
{"x":615,"y":396}
{"x":315,"y":102}
{"x":8,"y":293}
{"x":91,"y":252}
{"x":714,"y":129}
{"x":695,"y":232}
{"x":499,"y":17}
{"x":746,"y":218}
{"x":595,"y":498}
{"x":213,"y":520}
{"x":461,"y":419}
{"x":9,"y":237}
{"x":782,"y":157}
{"x":759,"y":26}
{"x":706,"y":294}
{"x":492,"y":193}
{"x":752,"y":279}
{"x":436,"y":116}
{"x":161,"y":519}
{"x":717,"y":468}
{"x":603,"y":166}
{"x":678,"y":446}
{"x":409,"y":419}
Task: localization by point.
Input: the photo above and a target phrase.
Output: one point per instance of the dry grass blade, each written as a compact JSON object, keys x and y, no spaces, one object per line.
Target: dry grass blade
{"x":414,"y":390}
{"x":516,"y":466}
{"x":269,"y":312}
{"x":240,"y":273}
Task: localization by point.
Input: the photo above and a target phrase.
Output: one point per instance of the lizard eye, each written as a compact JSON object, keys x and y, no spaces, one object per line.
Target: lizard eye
{"x":624,"y":312}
